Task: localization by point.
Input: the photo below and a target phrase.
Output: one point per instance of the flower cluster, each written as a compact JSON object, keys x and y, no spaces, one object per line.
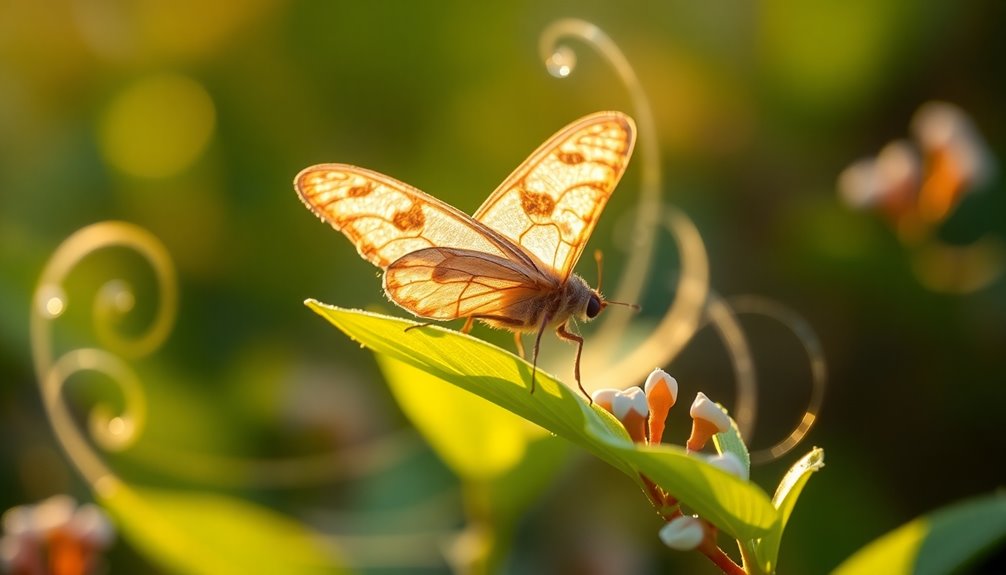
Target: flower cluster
{"x":643,"y":413}
{"x":54,"y":537}
{"x":917,"y":184}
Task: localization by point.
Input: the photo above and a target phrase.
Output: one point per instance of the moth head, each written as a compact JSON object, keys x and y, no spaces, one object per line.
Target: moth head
{"x":585,"y":302}
{"x":581,"y":301}
{"x":595,"y":304}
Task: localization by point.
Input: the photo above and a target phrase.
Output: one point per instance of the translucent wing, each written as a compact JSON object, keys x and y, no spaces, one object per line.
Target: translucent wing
{"x":550,"y":203}
{"x":387,"y":219}
{"x":448,"y":283}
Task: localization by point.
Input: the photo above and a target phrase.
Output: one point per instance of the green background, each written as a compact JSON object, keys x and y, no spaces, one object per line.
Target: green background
{"x":757,"y":107}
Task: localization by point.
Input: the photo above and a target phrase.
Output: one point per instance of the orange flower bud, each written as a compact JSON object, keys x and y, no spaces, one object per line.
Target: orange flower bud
{"x":661,"y":393}
{"x":708,"y":419}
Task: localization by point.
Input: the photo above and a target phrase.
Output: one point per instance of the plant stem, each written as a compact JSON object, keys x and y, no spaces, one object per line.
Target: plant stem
{"x":722,"y":560}
{"x":663,"y":503}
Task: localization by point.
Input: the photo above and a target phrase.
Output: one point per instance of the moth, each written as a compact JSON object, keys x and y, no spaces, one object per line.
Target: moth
{"x":510,"y":265}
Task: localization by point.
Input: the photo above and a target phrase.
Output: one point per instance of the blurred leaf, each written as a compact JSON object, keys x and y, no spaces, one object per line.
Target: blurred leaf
{"x":767,"y":550}
{"x":511,"y":492}
{"x":476,"y":439}
{"x":500,"y":502}
{"x":504,"y":461}
{"x":941,"y":542}
{"x":738,"y":507}
{"x":200,"y":532}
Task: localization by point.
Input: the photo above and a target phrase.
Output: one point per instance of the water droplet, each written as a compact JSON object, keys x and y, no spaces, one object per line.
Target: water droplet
{"x":54,"y":307}
{"x":51,"y":301}
{"x":561,"y":63}
{"x":118,"y":426}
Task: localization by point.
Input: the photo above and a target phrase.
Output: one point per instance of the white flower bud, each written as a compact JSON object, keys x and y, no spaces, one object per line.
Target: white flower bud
{"x":92,"y":525}
{"x":703,"y":408}
{"x":632,"y":399}
{"x":53,"y":513}
{"x":18,"y":520}
{"x":730,"y":463}
{"x":604,"y":397}
{"x":682,"y":533}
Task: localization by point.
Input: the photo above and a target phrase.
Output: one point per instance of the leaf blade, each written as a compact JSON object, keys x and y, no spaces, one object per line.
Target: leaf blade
{"x":738,"y":507}
{"x":784,"y":500}
{"x":936,"y":544}
{"x":207,"y":533}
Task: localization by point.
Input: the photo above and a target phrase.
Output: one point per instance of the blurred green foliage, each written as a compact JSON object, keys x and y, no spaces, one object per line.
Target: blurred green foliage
{"x":939,"y":542}
{"x":191,"y":119}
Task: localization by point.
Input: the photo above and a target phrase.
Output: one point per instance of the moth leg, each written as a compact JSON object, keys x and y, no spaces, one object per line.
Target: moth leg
{"x":496,"y":318}
{"x":419,"y":325}
{"x":537,"y":344}
{"x":520,"y":344}
{"x":569,"y":336}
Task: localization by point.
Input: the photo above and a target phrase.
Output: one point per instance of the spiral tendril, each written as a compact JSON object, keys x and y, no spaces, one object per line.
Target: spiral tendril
{"x":116,"y":429}
{"x":560,"y":61}
{"x":695,"y":304}
{"x":751,"y":304}
{"x":110,"y":428}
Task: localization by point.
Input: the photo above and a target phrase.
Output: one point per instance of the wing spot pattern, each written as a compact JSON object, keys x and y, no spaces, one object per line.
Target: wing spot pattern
{"x":410,"y":219}
{"x":570,"y":158}
{"x":361,"y":191}
{"x":536,"y":205}
{"x":443,"y":274}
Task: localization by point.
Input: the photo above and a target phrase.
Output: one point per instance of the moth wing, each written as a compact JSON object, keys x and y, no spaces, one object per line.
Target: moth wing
{"x":387,"y":219}
{"x":448,"y":283}
{"x":551,"y":202}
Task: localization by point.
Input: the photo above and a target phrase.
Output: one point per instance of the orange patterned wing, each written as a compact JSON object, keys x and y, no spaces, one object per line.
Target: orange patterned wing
{"x":550,"y":203}
{"x":448,"y":283}
{"x":387,"y":219}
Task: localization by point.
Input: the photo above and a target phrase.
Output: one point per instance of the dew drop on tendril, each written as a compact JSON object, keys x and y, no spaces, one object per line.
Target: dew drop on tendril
{"x":561,"y":63}
{"x":118,"y":426}
{"x":51,"y":301}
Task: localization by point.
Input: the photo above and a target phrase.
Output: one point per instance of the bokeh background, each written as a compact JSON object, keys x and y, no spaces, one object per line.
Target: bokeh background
{"x":191,"y":119}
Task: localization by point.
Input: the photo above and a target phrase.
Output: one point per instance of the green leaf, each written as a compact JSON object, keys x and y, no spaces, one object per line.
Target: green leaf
{"x":738,"y":507}
{"x":476,"y":439}
{"x":494,"y":507}
{"x":938,"y":543}
{"x":730,"y":441}
{"x":767,"y":550}
{"x":504,"y":461}
{"x":200,"y":532}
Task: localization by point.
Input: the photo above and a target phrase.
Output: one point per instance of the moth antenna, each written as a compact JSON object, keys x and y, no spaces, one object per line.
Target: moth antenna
{"x":634,"y":306}
{"x":598,"y":256}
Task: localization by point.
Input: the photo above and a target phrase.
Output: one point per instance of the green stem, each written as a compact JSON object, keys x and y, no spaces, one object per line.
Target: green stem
{"x":751,"y":565}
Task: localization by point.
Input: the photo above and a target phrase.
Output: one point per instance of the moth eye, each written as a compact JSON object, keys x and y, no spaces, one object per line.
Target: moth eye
{"x":593,"y":306}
